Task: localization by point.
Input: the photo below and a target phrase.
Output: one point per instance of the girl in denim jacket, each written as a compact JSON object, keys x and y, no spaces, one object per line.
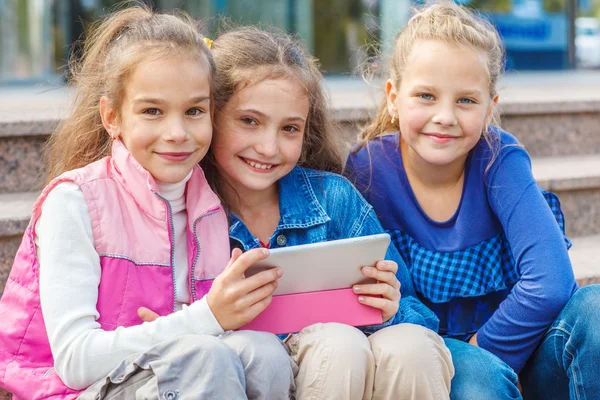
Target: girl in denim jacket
{"x":274,"y":164}
{"x":484,"y":245}
{"x":127,"y":220}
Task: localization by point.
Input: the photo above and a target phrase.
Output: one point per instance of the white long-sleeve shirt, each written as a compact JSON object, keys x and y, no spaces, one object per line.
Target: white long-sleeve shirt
{"x":69,"y":277}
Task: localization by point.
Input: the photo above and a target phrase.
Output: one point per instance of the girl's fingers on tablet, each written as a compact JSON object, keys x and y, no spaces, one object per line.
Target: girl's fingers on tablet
{"x":382,"y":289}
{"x":237,"y":268}
{"x":261,"y":279}
{"x":388,"y":308}
{"x":258,"y":307}
{"x":235,"y":254}
{"x":382,"y":276}
{"x":259,"y":294}
{"x":387,"y":265}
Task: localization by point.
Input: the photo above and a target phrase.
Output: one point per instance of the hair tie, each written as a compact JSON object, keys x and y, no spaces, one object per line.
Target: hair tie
{"x":208,"y":43}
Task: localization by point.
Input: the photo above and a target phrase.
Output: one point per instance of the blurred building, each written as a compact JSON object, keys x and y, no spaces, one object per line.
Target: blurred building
{"x":37,"y":36}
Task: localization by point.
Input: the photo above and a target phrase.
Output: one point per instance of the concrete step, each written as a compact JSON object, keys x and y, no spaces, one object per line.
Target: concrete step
{"x":576,"y":181}
{"x":585,"y":256}
{"x":551,"y":114}
{"x":554,"y":117}
{"x":15,"y":209}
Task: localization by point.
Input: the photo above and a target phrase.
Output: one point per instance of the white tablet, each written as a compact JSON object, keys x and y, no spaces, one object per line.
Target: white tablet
{"x":329,"y":265}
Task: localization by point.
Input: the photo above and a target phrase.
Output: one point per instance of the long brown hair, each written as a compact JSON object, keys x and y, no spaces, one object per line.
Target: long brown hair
{"x":447,"y":22}
{"x":114,"y":47}
{"x":248,"y":55}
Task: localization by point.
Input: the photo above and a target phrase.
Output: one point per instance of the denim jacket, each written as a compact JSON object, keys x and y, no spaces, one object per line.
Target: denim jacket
{"x":317,"y":206}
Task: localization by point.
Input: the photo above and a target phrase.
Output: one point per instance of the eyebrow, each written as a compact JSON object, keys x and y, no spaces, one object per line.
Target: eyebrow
{"x":467,"y":92}
{"x":473,"y":92}
{"x":423,"y":87}
{"x":263,"y":115}
{"x":199,"y":99}
{"x":153,"y":100}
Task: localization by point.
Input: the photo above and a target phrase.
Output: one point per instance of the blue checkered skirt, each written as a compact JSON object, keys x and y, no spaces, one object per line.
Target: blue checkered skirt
{"x":483,"y":268}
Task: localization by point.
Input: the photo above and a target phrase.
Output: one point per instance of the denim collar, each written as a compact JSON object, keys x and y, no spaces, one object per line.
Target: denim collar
{"x":299,"y":208}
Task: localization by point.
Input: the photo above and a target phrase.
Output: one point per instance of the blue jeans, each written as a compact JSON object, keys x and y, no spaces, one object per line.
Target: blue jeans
{"x":566,"y":364}
{"x":479,"y":374}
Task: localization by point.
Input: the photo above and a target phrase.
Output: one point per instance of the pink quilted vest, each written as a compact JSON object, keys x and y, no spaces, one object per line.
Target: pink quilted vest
{"x":132,"y":231}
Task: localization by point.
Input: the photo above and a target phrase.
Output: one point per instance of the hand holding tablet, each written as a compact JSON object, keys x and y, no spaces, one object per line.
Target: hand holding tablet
{"x":317,"y":283}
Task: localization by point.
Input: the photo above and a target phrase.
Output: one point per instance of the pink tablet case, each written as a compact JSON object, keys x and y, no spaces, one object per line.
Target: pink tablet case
{"x":292,"y":312}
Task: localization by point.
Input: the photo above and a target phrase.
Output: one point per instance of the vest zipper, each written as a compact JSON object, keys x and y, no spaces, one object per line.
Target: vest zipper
{"x":197,"y":255}
{"x":172,"y":240}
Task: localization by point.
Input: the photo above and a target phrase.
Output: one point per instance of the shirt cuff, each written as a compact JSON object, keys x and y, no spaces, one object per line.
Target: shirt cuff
{"x":203,"y":321}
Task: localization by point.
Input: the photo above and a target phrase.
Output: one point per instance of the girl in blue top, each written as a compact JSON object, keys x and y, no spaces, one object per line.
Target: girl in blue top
{"x":272,"y":161}
{"x":481,"y":242}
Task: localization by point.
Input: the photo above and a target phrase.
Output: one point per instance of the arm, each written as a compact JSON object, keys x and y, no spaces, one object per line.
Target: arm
{"x":411,"y":309}
{"x":540,"y":254}
{"x":69,"y":277}
{"x":358,"y":171}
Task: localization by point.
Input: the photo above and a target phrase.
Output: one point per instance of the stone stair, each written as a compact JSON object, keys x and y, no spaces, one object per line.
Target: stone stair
{"x":556,"y":117}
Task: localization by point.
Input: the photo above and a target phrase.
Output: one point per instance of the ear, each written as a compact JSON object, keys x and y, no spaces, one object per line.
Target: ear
{"x":391,"y":95}
{"x":493,"y":105}
{"x":109,"y":117}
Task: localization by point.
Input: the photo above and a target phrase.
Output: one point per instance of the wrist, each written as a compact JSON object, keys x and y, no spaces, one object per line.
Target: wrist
{"x":214,"y":312}
{"x":473,"y":340}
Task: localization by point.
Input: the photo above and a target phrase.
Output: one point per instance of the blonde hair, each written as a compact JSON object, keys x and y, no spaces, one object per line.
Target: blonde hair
{"x":450,"y":23}
{"x":115,"y":46}
{"x":248,"y":55}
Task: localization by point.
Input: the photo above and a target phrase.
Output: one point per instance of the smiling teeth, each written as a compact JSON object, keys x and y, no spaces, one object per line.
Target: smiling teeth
{"x":259,"y":166}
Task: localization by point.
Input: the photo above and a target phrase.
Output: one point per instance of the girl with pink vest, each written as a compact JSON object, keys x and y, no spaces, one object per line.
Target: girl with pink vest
{"x":128,"y":219}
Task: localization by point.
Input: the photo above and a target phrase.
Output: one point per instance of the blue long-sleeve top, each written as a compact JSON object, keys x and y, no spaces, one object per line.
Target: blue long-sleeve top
{"x":499,"y":266}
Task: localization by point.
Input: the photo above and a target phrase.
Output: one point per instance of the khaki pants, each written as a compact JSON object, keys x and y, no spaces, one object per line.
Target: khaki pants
{"x":398,"y":362}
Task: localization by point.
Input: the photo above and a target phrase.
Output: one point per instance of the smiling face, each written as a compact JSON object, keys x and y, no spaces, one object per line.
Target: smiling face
{"x":164,"y":120}
{"x":443,"y":103}
{"x":259,"y":134}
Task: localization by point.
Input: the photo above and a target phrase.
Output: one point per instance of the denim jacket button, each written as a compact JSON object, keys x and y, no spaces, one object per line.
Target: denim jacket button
{"x":281,"y":240}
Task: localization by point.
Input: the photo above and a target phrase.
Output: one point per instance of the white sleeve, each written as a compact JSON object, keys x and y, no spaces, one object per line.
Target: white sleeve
{"x":69,"y":278}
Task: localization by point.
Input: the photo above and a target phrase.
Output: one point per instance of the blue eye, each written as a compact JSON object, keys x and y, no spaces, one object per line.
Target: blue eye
{"x":194,"y":112}
{"x":426,"y":96}
{"x":152,"y":111}
{"x":466,"y":101}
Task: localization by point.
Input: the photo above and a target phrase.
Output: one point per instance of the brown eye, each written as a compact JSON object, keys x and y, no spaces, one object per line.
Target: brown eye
{"x":194,"y":112}
{"x":291,"y":128}
{"x":249,"y":121}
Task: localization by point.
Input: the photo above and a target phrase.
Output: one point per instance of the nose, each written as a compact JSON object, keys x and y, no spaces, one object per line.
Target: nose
{"x":268,"y":144}
{"x":177,"y":131}
{"x":445,"y":115}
